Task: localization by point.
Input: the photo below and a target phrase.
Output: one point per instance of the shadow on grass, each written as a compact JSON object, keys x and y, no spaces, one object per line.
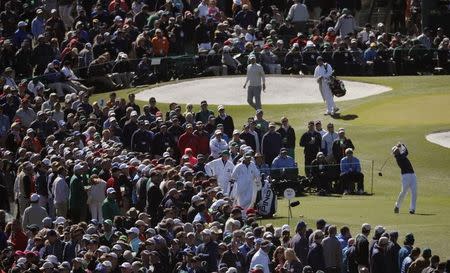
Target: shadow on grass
{"x":426,"y":214}
{"x":345,"y":117}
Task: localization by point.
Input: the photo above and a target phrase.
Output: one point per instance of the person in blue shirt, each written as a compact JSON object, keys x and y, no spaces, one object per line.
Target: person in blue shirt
{"x":351,"y":173}
{"x":283,"y":160}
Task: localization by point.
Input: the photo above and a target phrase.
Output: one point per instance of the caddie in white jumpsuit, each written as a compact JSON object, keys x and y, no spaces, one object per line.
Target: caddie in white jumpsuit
{"x":409,"y":181}
{"x":221,"y":169}
{"x":246,"y":176}
{"x":323,"y":73}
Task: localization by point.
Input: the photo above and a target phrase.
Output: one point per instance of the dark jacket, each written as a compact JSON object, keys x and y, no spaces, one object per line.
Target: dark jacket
{"x":378,"y":260}
{"x":236,"y":260}
{"x":271,"y":144}
{"x":287,"y":137}
{"x":209,"y":253}
{"x":311,"y":149}
{"x":339,"y":149}
{"x":56,"y":249}
{"x":300,"y":244}
{"x":392,"y":258}
{"x":315,"y":257}
{"x":228,"y":124}
{"x":362,"y":250}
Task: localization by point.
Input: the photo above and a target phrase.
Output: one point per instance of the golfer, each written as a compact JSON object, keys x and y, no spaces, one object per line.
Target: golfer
{"x":409,"y":181}
{"x":323,"y":73}
{"x":255,"y":77}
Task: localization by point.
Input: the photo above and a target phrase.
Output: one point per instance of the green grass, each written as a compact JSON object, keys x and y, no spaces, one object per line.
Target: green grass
{"x":415,"y":107}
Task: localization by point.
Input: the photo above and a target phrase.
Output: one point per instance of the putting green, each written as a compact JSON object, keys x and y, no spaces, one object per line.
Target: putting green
{"x":416,"y":106}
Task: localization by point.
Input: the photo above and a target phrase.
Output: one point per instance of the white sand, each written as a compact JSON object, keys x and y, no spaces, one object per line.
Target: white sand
{"x":229,"y":91}
{"x":441,"y":138}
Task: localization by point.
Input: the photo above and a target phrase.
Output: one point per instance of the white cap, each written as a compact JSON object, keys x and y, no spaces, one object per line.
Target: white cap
{"x":206,"y":231}
{"x":134,"y":230}
{"x":47,"y":265}
{"x":22,"y":24}
{"x":107,"y":264}
{"x":123,"y":166}
{"x":77,"y":167}
{"x":34,"y":198}
{"x":118,"y":18}
{"x":59,"y":221}
{"x":134,"y":114}
{"x":126,"y":265}
{"x":117,"y":247}
{"x":196,"y":198}
{"x":110,"y":191}
{"x":286,"y":227}
{"x":52,"y":258}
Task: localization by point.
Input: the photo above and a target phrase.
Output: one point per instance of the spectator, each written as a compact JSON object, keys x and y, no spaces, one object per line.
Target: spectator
{"x":298,"y":14}
{"x":34,"y":214}
{"x":271,"y":144}
{"x":311,"y":141}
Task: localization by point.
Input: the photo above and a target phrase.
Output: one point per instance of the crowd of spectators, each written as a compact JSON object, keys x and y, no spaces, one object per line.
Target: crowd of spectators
{"x":115,"y":189}
{"x":110,"y":45}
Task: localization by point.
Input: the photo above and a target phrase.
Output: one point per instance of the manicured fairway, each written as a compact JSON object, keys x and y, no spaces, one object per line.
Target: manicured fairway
{"x":415,"y":107}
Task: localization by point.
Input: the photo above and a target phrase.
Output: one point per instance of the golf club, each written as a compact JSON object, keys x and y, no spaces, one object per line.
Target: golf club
{"x":380,"y":173}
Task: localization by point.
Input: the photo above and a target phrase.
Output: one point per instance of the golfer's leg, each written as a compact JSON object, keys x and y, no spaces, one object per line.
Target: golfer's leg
{"x":250,"y":97}
{"x":257,"y":94}
{"x":402,"y":194}
{"x":413,"y":186}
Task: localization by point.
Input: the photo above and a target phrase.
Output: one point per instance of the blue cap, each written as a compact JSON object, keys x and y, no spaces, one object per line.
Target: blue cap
{"x":259,"y":241}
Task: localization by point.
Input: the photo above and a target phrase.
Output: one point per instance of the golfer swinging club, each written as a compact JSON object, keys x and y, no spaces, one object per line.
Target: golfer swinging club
{"x":409,"y":181}
{"x":323,"y":73}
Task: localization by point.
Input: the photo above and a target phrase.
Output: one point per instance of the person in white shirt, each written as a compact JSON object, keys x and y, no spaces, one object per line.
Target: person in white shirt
{"x":60,"y":192}
{"x":298,"y":14}
{"x":327,"y":142}
{"x":202,"y":9}
{"x":217,"y":145}
{"x":221,"y":168}
{"x":255,"y":77}
{"x":261,"y":257}
{"x":246,"y":177}
{"x":34,"y":86}
{"x":73,"y":80}
{"x":323,"y":73}
{"x":96,"y":196}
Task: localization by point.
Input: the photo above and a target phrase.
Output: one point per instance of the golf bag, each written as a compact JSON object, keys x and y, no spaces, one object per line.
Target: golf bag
{"x":337,"y":87}
{"x":267,"y":205}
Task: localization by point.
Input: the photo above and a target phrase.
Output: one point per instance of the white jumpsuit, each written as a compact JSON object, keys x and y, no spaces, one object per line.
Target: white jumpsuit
{"x":246,"y":178}
{"x":222,"y":172}
{"x":324,"y":75}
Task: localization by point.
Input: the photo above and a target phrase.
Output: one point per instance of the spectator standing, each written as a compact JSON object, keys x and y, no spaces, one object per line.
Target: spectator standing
{"x":271,"y":144}
{"x":287,"y":134}
{"x":300,"y":242}
{"x":311,"y":142}
{"x":345,"y":24}
{"x":34,"y":214}
{"x":332,"y":251}
{"x":298,"y":14}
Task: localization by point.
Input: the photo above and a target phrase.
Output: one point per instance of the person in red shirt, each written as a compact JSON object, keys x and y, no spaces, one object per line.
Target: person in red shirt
{"x":203,"y":139}
{"x":160,"y":44}
{"x":113,"y":182}
{"x":18,"y":238}
{"x":188,"y":140}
